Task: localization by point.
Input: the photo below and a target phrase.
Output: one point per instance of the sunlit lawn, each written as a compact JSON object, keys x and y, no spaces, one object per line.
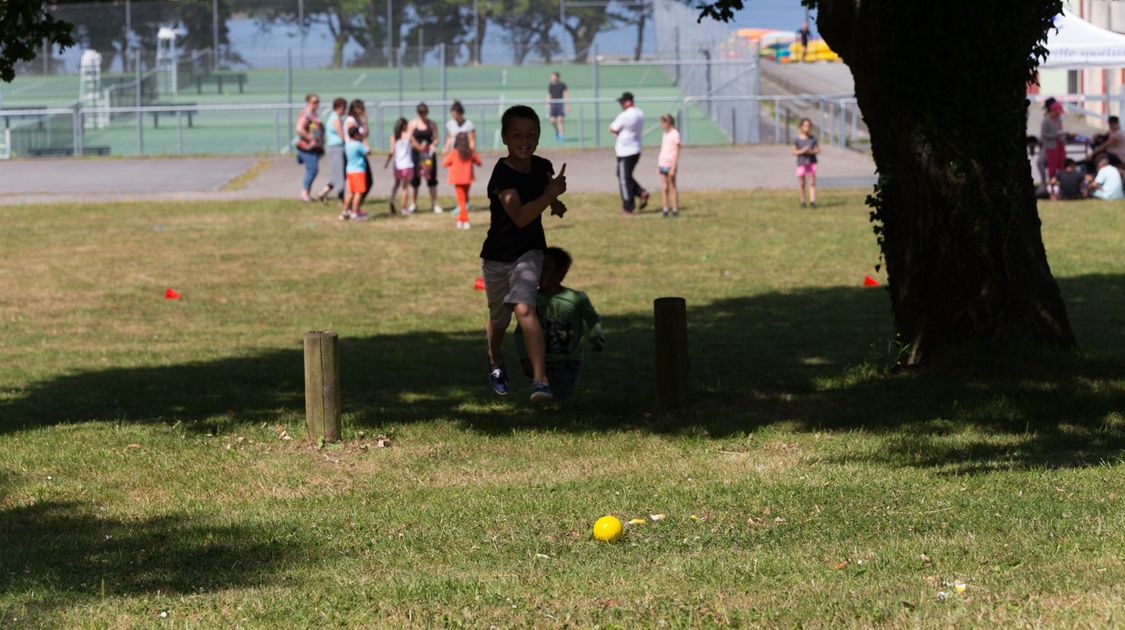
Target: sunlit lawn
{"x":154,"y":467}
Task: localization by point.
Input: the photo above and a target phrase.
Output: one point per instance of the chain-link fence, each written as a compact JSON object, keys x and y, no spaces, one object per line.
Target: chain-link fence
{"x":707,"y":59}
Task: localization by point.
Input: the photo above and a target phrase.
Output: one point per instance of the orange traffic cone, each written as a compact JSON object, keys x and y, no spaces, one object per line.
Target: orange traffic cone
{"x":479,"y":284}
{"x":868,"y":281}
{"x":171,"y":294}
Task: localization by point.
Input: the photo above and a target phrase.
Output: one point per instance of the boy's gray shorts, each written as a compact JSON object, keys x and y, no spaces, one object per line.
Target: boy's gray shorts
{"x":510,"y":283}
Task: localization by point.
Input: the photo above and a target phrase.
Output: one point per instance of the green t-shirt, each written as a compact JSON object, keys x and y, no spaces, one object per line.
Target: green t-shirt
{"x":566,"y":317}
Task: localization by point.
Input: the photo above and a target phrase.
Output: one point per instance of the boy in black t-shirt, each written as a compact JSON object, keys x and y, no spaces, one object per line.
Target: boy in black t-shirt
{"x":521,"y":188}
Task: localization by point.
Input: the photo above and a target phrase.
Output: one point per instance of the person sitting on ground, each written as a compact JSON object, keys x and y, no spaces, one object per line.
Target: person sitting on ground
{"x":566,"y":316}
{"x":1107,"y":183}
{"x":1069,"y":183}
{"x":1114,"y":144}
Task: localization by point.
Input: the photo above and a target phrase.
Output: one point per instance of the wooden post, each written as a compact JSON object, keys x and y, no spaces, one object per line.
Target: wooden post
{"x":322,"y":386}
{"x":671,"y":351}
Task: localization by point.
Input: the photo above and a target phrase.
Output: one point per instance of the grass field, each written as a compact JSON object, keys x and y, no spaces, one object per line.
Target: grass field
{"x":218,"y":132}
{"x":146,"y":475}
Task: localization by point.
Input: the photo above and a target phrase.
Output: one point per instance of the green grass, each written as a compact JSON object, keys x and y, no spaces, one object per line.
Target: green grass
{"x":144,"y":467}
{"x":235,"y":132}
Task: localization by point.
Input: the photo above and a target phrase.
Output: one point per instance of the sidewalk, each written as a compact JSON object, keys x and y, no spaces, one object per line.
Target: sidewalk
{"x":223,"y":179}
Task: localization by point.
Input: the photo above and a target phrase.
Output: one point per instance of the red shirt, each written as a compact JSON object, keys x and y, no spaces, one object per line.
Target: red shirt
{"x":460,"y":170}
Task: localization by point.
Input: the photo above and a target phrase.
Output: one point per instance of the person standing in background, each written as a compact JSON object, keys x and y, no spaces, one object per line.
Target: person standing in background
{"x":456,"y":124}
{"x":558,"y":105}
{"x":310,"y":142}
{"x":334,"y":150}
{"x":628,"y":127}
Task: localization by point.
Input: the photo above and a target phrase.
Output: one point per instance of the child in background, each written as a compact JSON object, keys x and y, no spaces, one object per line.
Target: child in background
{"x":459,"y":163}
{"x":806,"y":148}
{"x":523,"y":185}
{"x":400,"y":153}
{"x":667,"y":163}
{"x":356,"y":152}
{"x":566,"y":316}
{"x":1068,"y":183}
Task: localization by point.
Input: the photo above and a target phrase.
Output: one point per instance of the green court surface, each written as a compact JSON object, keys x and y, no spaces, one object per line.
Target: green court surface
{"x":268,"y":130}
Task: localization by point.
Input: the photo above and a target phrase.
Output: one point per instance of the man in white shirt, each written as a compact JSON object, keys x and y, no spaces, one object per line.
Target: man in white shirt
{"x":629,"y":126}
{"x":1107,"y":185}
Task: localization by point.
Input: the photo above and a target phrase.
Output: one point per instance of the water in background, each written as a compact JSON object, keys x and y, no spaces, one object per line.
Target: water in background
{"x":266,"y":48}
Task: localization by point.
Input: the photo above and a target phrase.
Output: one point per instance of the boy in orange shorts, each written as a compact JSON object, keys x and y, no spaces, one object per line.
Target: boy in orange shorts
{"x":356,"y":152}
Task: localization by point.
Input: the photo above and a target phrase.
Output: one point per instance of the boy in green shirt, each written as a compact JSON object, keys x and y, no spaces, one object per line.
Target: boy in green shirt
{"x":566,"y":315}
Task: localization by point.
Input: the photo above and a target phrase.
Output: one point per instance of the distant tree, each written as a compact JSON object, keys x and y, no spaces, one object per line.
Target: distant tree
{"x":345,"y":20}
{"x":24,"y":26}
{"x":583,"y":24}
{"x":448,"y":22}
{"x":529,"y":24}
{"x":942,"y":88}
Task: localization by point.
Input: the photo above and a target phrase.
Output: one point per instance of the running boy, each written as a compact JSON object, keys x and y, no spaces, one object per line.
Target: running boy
{"x":356,"y":169}
{"x":566,"y":316}
{"x":459,"y":164}
{"x":523,"y":185}
{"x":806,"y":148}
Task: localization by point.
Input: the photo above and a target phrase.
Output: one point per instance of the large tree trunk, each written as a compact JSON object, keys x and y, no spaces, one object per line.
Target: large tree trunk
{"x":955,"y":208}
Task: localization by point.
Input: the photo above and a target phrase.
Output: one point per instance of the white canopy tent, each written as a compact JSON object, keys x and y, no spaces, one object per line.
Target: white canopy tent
{"x":1077,"y":44}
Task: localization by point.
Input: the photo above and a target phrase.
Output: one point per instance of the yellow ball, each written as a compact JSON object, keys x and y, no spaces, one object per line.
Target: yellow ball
{"x":607,"y":529}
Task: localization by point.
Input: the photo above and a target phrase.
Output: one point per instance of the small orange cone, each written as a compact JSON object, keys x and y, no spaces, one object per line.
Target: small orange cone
{"x":868,"y":281}
{"x":171,"y":294}
{"x":479,"y":284}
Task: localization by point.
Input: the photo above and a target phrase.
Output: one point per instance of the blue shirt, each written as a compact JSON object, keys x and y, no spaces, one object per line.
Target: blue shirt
{"x":331,"y":138}
{"x":357,"y":156}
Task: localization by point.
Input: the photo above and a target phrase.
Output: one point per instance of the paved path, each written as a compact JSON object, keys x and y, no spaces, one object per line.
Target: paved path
{"x":153,"y":179}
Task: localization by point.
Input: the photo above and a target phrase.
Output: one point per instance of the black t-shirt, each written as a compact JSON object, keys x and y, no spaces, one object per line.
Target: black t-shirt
{"x":506,"y":242}
{"x":556,"y":89}
{"x":1071,"y":184}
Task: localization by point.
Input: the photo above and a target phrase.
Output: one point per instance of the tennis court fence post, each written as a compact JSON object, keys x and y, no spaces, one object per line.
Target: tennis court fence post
{"x":140,"y":114}
{"x":441,"y":53}
{"x":77,"y":129}
{"x":597,"y":125}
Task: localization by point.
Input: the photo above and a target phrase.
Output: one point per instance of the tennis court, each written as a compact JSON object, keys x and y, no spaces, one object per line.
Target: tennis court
{"x":259,"y":120}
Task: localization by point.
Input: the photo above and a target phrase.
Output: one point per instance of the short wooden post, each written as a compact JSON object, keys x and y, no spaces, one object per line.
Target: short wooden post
{"x":322,"y":385}
{"x":671,"y":351}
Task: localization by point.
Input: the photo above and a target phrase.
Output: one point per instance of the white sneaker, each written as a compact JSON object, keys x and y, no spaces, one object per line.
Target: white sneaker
{"x":410,"y":210}
{"x":465,"y":225}
{"x":438,"y":209}
{"x":460,"y":225}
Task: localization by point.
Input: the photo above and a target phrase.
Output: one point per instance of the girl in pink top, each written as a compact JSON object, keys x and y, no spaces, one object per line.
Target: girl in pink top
{"x":668,"y":161}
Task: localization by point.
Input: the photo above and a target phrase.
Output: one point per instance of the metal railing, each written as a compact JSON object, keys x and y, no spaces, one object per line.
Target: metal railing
{"x":268,"y":128}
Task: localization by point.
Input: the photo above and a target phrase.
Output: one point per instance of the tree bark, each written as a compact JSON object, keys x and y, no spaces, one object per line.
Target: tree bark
{"x":942,"y":87}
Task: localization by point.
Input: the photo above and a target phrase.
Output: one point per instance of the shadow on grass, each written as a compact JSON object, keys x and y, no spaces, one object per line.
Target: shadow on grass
{"x":808,"y":357}
{"x":57,"y":551}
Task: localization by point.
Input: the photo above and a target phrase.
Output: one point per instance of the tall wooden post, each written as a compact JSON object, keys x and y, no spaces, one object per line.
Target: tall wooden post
{"x":671,"y":351}
{"x":322,"y":386}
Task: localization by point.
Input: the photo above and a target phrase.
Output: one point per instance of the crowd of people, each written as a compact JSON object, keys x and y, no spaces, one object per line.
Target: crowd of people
{"x":416,"y":148}
{"x":341,"y":140}
{"x":1099,"y":174}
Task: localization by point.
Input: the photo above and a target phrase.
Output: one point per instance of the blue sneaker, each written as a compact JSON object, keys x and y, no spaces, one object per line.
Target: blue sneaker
{"x":541,"y":393}
{"x":498,"y":378}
